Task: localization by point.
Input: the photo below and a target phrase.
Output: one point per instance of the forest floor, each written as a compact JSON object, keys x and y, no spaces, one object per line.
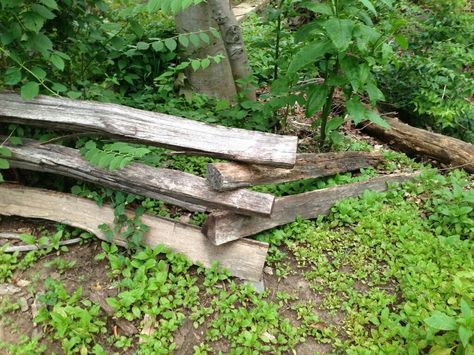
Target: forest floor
{"x":365,"y":277}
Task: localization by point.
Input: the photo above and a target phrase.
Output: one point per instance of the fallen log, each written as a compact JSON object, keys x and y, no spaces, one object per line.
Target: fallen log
{"x":244,"y":258}
{"x":439,"y":147}
{"x":222,"y":227}
{"x":173,"y":186}
{"x":229,"y":176}
{"x":151,"y":128}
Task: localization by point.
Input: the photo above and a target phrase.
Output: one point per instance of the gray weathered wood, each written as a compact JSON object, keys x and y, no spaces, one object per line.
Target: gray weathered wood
{"x":243,"y":258}
{"x":229,"y":176}
{"x":172,"y":186}
{"x":223,"y":227}
{"x":150,"y":128}
{"x":410,"y":139}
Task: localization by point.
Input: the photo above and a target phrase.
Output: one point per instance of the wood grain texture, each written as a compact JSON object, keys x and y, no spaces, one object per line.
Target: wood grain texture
{"x":173,"y":186}
{"x":229,"y":176}
{"x":244,"y":258}
{"x":222,"y":227}
{"x":439,"y":147}
{"x":150,"y":128}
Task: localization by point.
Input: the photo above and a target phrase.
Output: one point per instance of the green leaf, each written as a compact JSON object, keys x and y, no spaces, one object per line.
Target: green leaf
{"x":215,"y":32}
{"x":402,"y":41}
{"x":195,"y":64}
{"x":334,"y":124}
{"x":39,"y":73}
{"x":441,"y":321}
{"x":115,"y":163}
{"x":464,"y":335}
{"x":465,"y":309}
{"x":194,"y":39}
{"x":339,"y":32}
{"x":318,"y":8}
{"x":158,"y":46}
{"x":153,"y":5}
{"x":356,"y":110}
{"x":5,"y":152}
{"x":316,"y":98}
{"x":4,"y":164}
{"x":184,"y":40}
{"x":57,"y":61}
{"x":350,"y":67}
{"x":175,"y":6}
{"x":368,"y":4}
{"x":143,"y":46}
{"x":43,"y":11}
{"x":50,"y":3}
{"x":205,"y":63}
{"x":374,"y":93}
{"x":309,"y":54}
{"x":33,"y":21}
{"x":171,"y":44}
{"x":204,"y":37}
{"x":29,"y":90}
{"x":374,"y":117}
{"x":12,"y":76}
{"x":41,"y":43}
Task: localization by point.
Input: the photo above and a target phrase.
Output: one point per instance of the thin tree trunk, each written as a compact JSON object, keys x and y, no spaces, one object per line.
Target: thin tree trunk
{"x":234,"y":44}
{"x":216,"y":80}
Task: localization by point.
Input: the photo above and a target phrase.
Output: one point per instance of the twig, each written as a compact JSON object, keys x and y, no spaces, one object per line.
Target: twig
{"x":23,"y":248}
{"x":71,"y":135}
{"x":6,"y":235}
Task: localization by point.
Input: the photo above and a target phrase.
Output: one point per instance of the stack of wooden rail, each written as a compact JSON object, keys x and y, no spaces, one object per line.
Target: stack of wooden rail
{"x":235,"y":212}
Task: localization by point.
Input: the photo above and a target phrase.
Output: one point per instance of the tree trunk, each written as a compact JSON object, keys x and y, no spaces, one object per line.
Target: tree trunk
{"x":234,"y":44}
{"x":216,"y":80}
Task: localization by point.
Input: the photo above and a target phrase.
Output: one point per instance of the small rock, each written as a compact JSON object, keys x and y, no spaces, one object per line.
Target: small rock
{"x":268,"y":270}
{"x":23,"y":283}
{"x":23,"y":304}
{"x":259,"y":286}
{"x":8,"y":289}
{"x":266,"y":336}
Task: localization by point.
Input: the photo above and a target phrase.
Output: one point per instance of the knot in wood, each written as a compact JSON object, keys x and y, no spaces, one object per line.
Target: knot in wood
{"x":232,"y":35}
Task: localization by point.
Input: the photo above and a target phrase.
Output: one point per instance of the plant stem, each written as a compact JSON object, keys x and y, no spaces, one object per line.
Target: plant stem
{"x":324,"y":119}
{"x":277,"y":41}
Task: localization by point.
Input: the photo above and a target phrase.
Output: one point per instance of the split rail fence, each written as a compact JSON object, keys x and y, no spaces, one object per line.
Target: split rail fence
{"x":234,"y":212}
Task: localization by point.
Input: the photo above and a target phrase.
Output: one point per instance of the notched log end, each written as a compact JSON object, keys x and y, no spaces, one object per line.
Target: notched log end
{"x":214,"y":178}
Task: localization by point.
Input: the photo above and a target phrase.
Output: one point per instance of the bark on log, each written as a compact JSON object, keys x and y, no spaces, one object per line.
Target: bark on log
{"x":230,"y":30}
{"x":439,"y":147}
{"x":217,"y":79}
{"x":172,"y":186}
{"x":244,"y":258}
{"x":229,"y":176}
{"x":223,"y":227}
{"x":150,"y":128}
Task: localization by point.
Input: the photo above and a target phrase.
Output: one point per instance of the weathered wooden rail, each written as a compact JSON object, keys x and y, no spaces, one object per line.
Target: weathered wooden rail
{"x":244,"y":258}
{"x":172,"y":186}
{"x":150,"y":128}
{"x":223,"y":226}
{"x":230,"y":176}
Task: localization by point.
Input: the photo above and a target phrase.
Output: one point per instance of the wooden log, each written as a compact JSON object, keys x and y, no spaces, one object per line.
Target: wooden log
{"x":244,"y":258}
{"x":223,"y":227}
{"x":172,"y":186}
{"x":229,"y":176}
{"x":418,"y":141}
{"x":151,"y":128}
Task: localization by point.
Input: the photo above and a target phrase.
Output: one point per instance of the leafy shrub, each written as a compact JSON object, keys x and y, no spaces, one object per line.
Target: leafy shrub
{"x":431,"y":79}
